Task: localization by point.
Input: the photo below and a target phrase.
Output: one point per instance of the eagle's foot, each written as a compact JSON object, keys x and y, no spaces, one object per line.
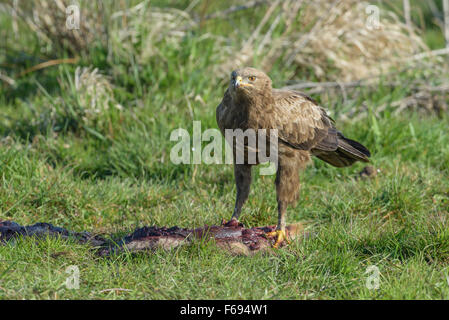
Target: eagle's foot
{"x":280,"y":235}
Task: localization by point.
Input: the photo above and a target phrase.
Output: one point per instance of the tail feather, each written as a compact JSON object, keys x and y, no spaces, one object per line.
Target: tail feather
{"x":348,"y":151}
{"x":354,"y":144}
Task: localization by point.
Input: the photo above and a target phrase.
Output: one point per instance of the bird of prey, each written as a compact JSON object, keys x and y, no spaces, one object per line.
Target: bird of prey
{"x":303,"y":130}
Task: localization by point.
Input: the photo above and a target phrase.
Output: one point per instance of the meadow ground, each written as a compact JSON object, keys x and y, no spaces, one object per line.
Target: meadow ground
{"x":104,"y":167}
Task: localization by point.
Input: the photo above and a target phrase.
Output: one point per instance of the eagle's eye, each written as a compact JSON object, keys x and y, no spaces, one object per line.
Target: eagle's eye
{"x":251,"y":78}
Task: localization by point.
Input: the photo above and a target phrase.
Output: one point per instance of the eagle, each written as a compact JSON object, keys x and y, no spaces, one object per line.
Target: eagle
{"x":304,"y":129}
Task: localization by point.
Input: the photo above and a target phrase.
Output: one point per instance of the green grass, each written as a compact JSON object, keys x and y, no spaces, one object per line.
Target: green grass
{"x":410,"y":246}
{"x":112,"y":173}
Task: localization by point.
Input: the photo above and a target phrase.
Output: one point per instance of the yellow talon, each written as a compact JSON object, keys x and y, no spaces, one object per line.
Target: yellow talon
{"x":280,"y":235}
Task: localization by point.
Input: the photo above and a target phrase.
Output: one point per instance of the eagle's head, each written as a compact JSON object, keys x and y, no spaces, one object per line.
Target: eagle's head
{"x":249,"y":83}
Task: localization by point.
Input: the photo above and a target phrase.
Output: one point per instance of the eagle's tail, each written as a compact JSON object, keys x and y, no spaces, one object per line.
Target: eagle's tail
{"x":347,"y":152}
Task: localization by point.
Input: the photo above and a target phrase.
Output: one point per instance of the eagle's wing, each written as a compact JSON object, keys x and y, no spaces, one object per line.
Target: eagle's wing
{"x":302,"y":123}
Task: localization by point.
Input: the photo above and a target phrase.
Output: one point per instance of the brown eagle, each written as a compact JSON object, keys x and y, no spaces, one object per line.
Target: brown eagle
{"x":303,"y":129}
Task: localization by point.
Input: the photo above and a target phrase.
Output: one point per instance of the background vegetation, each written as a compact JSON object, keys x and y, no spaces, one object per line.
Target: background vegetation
{"x":85,"y":121}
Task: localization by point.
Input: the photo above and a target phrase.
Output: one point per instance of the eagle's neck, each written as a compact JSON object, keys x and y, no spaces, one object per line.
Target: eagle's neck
{"x":255,"y":100}
{"x":252,"y":107}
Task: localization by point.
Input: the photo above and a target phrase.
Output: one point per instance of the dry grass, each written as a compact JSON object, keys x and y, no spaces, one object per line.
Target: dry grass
{"x":323,"y":35}
{"x":94,"y":91}
{"x":47,"y":19}
{"x":317,"y":36}
{"x":143,"y":27}
{"x":427,"y":99}
{"x":88,"y":98}
{"x":327,"y":40}
{"x":140,"y":28}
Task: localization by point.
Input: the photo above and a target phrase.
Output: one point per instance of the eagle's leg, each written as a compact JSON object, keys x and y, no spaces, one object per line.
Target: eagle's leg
{"x":287,"y":191}
{"x":242,"y":174}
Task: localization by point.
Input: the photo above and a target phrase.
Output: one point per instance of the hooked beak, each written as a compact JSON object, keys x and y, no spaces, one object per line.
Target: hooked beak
{"x":239,"y":83}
